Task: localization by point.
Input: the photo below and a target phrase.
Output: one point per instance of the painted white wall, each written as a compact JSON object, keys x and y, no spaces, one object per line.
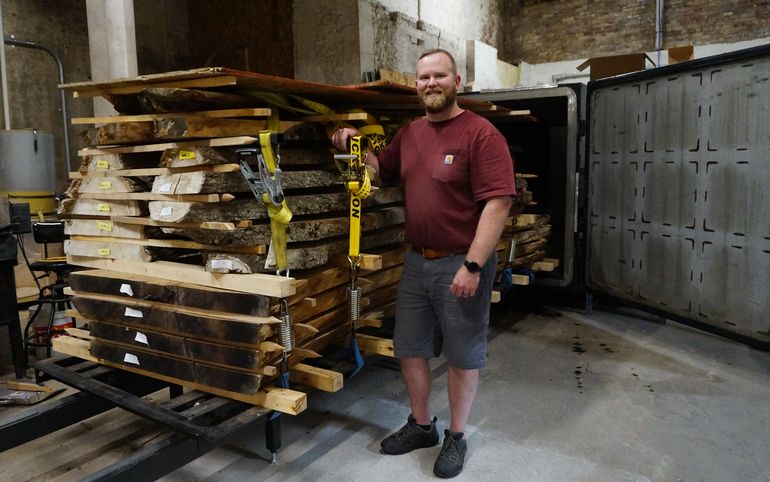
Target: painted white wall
{"x":485,"y":71}
{"x":566,"y":71}
{"x":464,"y":19}
{"x":337,"y":41}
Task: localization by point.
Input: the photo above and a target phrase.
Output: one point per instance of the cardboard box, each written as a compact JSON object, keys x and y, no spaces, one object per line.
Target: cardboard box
{"x":680,"y":54}
{"x":610,"y":65}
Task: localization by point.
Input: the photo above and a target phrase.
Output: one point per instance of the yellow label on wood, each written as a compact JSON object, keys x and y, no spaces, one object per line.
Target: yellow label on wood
{"x":104,"y":226}
{"x":105,"y":185}
{"x":104,"y":251}
{"x":103,"y":208}
{"x":102,"y":164}
{"x":186,"y":155}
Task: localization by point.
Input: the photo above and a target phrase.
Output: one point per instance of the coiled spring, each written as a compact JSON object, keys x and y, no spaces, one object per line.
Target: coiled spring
{"x":287,"y":340}
{"x":354,"y":295}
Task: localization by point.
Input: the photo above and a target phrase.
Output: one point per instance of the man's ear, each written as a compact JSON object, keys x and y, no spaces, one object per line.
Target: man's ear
{"x":457,"y":81}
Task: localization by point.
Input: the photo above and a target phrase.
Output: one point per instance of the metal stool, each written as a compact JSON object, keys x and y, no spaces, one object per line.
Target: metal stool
{"x":51,"y":294}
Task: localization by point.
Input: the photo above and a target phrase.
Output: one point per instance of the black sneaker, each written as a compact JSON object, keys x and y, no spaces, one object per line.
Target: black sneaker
{"x":450,"y":460}
{"x":410,"y":437}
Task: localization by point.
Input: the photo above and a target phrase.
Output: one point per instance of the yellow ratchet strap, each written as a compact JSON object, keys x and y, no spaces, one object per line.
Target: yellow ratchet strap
{"x":280,"y":215}
{"x":360,"y":188}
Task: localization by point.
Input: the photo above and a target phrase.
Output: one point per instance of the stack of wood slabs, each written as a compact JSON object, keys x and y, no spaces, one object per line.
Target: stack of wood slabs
{"x":524,"y":242}
{"x":161,"y":200}
{"x":529,"y":238}
{"x":198,"y":334}
{"x":220,"y":88}
{"x":198,"y":208}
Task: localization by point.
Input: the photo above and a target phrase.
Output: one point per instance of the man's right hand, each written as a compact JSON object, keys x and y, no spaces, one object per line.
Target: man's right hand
{"x":341,"y":136}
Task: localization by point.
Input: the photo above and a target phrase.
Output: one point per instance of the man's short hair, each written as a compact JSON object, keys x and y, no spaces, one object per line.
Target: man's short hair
{"x":440,"y":51}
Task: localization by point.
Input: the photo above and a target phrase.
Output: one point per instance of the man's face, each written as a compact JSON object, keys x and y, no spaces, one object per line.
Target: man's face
{"x":436,"y":83}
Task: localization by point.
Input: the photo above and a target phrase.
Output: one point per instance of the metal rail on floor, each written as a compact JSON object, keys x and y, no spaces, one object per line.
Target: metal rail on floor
{"x":199,"y":421}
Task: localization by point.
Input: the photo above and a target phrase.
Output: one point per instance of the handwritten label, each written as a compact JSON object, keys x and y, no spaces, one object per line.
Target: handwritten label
{"x":103,"y":208}
{"x":125,"y":288}
{"x":131,"y":358}
{"x":221,"y":264}
{"x":104,"y":226}
{"x":133,"y":313}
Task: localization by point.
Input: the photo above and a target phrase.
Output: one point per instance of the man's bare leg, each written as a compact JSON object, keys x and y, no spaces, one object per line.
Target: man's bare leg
{"x":462,"y":386}
{"x":416,"y":373}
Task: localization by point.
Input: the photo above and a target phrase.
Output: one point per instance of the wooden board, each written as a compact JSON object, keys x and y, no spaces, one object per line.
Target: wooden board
{"x":155,"y":171}
{"x":84,"y":227}
{"x":91,"y":207}
{"x":253,"y":112}
{"x":180,"y":128}
{"x":301,"y":255}
{"x":279,"y":399}
{"x":319,"y":378}
{"x":262,"y":284}
{"x":169,"y":319}
{"x":110,"y":242}
{"x":143,"y":221}
{"x":228,"y":141}
{"x":297,"y":230}
{"x":171,"y":292}
{"x":361,"y":96}
{"x":299,"y":204}
{"x":249,"y":359}
{"x":129,"y":88}
{"x":107,"y":250}
{"x":113,"y":184}
{"x":354,"y":116}
{"x":372,"y":345}
{"x":151,"y":196}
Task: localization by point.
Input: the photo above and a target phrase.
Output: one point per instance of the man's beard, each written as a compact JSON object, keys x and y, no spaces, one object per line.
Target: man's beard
{"x":438,"y":103}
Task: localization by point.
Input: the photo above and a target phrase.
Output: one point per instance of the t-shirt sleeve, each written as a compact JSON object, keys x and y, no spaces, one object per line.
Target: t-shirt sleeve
{"x":492,"y":167}
{"x":390,"y":161}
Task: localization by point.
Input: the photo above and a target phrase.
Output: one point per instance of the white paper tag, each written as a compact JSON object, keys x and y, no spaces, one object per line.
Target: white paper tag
{"x":221,"y":264}
{"x":125,"y":288}
{"x":130,"y":358}
{"x":166,"y":211}
{"x":141,"y":338}
{"x":133,"y":313}
{"x":270,"y":259}
{"x":165,"y":187}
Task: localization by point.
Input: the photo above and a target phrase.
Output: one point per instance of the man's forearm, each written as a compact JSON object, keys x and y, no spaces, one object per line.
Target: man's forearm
{"x":490,"y":228}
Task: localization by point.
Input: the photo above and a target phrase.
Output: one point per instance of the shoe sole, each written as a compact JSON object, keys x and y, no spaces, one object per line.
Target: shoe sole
{"x":448,"y":476}
{"x":382,"y":449}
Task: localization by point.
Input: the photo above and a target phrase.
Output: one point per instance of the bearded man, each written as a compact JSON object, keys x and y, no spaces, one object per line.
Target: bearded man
{"x":456,"y":172}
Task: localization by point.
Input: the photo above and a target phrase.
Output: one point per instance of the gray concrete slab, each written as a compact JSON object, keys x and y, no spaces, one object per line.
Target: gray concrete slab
{"x":566,"y":396}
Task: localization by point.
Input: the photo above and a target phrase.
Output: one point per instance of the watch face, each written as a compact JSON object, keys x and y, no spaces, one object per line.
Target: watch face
{"x":472,"y":266}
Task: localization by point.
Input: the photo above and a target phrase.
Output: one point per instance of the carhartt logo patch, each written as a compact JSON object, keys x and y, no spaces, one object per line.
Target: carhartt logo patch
{"x":448,"y":159}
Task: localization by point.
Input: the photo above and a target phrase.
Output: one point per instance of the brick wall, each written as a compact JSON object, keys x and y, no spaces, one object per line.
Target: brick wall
{"x":550,"y":30}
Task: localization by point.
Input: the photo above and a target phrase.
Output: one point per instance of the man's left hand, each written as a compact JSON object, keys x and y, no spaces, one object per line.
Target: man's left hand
{"x":465,"y":283}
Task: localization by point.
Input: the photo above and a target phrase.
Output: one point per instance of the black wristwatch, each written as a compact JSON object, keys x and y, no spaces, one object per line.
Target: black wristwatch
{"x":472,"y":266}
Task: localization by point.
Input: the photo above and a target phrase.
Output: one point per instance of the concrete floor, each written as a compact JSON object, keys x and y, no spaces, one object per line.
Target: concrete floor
{"x":567,"y":396}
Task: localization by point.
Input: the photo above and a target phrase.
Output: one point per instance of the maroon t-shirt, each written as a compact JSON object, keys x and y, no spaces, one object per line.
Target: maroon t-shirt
{"x":447,"y":170}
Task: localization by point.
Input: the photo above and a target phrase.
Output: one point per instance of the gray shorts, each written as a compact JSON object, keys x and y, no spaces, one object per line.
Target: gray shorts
{"x":431,"y":320}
